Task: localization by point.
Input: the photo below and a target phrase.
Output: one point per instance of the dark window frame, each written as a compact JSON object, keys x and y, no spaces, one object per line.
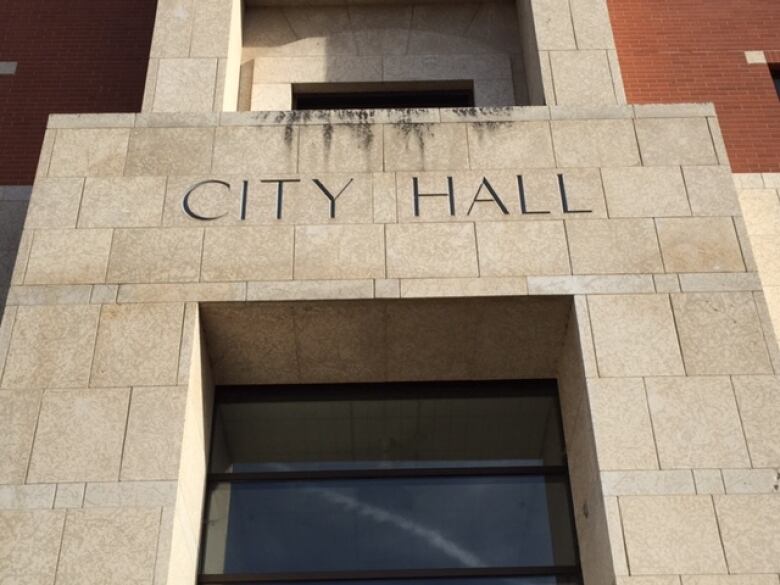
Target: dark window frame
{"x":338,"y":392}
{"x":383,"y":95}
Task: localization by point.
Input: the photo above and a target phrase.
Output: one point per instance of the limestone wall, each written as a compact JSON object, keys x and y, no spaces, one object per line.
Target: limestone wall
{"x":668,"y":369}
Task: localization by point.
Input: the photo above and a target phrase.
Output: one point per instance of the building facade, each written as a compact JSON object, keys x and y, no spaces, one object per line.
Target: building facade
{"x":550,"y":229}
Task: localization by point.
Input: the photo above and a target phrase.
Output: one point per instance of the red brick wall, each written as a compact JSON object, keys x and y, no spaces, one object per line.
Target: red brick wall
{"x":74,"y":56}
{"x":694,"y":51}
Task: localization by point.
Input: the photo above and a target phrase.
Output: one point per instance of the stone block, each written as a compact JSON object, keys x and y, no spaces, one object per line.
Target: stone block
{"x":169,"y":151}
{"x":256,"y":149}
{"x":89,"y":152}
{"x":595,"y":143}
{"x":69,"y":495}
{"x":761,"y":209}
{"x":592,"y":25}
{"x":652,"y":580}
{"x":635,"y":336}
{"x":51,"y":347}
{"x":49,"y":295}
{"x":445,"y":67}
{"x":211,"y":29}
{"x":582,"y":78}
{"x":759,"y":405}
{"x":304,"y":290}
{"x":156,"y":418}
{"x":332,"y":252}
{"x":271,"y":97}
{"x":720,"y":334}
{"x":122,"y":202}
{"x":185,"y":85}
{"x":316,"y":69}
{"x":493,"y":93}
{"x":182,"y":293}
{"x":616,"y":246}
{"x":109,"y":546}
{"x":553,"y":25}
{"x":103,"y":294}
{"x":700,"y":244}
{"x":709,"y":481}
{"x":720,"y":282}
{"x":509,"y":145}
{"x":748,"y":525}
{"x":27,"y":497}
{"x":431,"y":251}
{"x":671,"y":535}
{"x":522,"y":248}
{"x":675,"y":141}
{"x":155,"y":255}
{"x":130,"y":494}
{"x":647,"y":483}
{"x":666,"y":283}
{"x":645,"y":192}
{"x":54,"y":203}
{"x":387,"y":288}
{"x":341,"y":148}
{"x":765,"y":250}
{"x":751,"y":481}
{"x":729,"y":580}
{"x":621,"y":425}
{"x":68,"y":257}
{"x":18,"y":416}
{"x":138,"y":345}
{"x":30,"y":545}
{"x":88,"y":451}
{"x":383,"y":186}
{"x":590,"y":285}
{"x":173,"y":28}
{"x":711,"y":191}
{"x":696,"y":423}
{"x":251,"y":253}
{"x":461,"y":287}
{"x":425,"y":147}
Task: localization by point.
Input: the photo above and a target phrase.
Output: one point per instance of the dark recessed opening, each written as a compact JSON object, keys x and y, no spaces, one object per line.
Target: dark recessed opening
{"x":383,"y":96}
{"x":775,"y":70}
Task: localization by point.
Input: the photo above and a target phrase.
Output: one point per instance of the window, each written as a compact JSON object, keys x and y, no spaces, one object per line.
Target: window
{"x":353,"y":96}
{"x":389,"y":484}
{"x":776,"y":78}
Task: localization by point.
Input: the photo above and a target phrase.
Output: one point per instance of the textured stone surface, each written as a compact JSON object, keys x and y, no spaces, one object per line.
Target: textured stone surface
{"x":109,"y":547}
{"x":138,"y":345}
{"x":748,"y":525}
{"x":616,"y":246}
{"x":431,"y":250}
{"x":522,"y":248}
{"x":339,"y":252}
{"x":671,"y":535}
{"x":122,"y":202}
{"x":18,"y":416}
{"x":55,"y":203}
{"x":700,"y":245}
{"x":759,"y":405}
{"x":155,"y":255}
{"x":88,"y":451}
{"x":645,"y":192}
{"x":29,"y":545}
{"x":675,"y":141}
{"x":68,"y":257}
{"x":252,"y":253}
{"x":96,"y":153}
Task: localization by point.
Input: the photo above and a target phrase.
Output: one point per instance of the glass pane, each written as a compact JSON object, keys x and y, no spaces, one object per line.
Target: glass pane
{"x":463,"y":581}
{"x":386,"y":524}
{"x":411,"y":431}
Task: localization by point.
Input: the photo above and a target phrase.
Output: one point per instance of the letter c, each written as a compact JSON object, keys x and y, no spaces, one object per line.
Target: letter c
{"x":185,"y":203}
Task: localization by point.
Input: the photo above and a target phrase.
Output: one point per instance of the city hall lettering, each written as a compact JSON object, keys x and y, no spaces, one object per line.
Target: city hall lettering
{"x":517,"y":202}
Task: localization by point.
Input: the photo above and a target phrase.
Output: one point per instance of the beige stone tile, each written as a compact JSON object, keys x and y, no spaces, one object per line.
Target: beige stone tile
{"x":751,"y":481}
{"x":138,"y":345}
{"x":109,"y":546}
{"x":765,"y":250}
{"x":51,"y":347}
{"x":27,"y":497}
{"x":96,"y":153}
{"x":553,"y":24}
{"x":431,"y":251}
{"x":122,"y":202}
{"x":339,"y":251}
{"x":425,"y":147}
{"x":699,"y":244}
{"x":30,"y":545}
{"x":729,"y":580}
{"x":759,"y":405}
{"x":652,"y":580}
{"x":316,"y":69}
{"x":711,"y":191}
{"x":635,"y":335}
{"x":54,"y":203}
{"x":271,"y":97}
{"x":169,"y":151}
{"x":156,"y":418}
{"x":103,"y":294}
{"x":720,"y":334}
{"x":675,"y":141}
{"x":127,"y":494}
{"x":522,"y":248}
{"x":173,"y":29}
{"x":508,"y":145}
{"x":720,"y":282}
{"x":341,"y":148}
{"x":671,"y":534}
{"x":647,"y":483}
{"x":592,"y":25}
{"x":387,"y":288}
{"x":49,"y":295}
{"x":68,"y":257}
{"x":595,"y":143}
{"x":761,"y":209}
{"x":185,"y":85}
{"x":645,"y":192}
{"x":462,"y":287}
{"x":696,"y":423}
{"x":69,"y":495}
{"x":180,"y":293}
{"x":666,"y":283}
{"x":383,"y":188}
{"x":155,"y":255}
{"x":251,"y":253}
{"x":589,"y":285}
{"x":88,"y":451}
{"x":748,"y":525}
{"x":621,"y":425}
{"x":18,"y":416}
{"x":275,"y":150}
{"x":709,"y":481}
{"x":616,"y":246}
{"x":617,"y":546}
{"x":582,"y":77}
{"x":446,"y":67}
{"x":304,"y":290}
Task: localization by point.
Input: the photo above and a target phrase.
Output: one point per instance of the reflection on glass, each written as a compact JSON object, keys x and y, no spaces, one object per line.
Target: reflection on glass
{"x":407,"y":432}
{"x":387,"y":524}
